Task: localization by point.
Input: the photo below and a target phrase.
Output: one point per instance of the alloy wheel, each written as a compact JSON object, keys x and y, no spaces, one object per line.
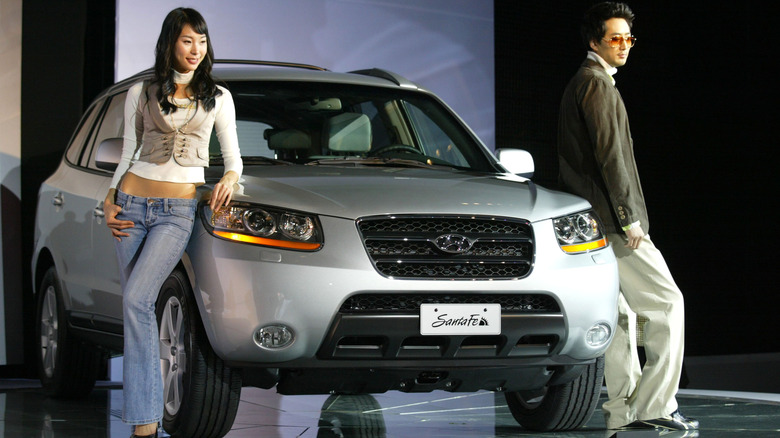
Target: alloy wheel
{"x":49,"y":330}
{"x":173,"y":356}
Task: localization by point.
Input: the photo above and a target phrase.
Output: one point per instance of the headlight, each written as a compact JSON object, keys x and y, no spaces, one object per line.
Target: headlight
{"x":259,"y":225}
{"x":579,"y":232}
{"x":296,"y":226}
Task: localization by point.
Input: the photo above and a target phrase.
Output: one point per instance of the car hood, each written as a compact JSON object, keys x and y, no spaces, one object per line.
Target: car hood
{"x":353,"y":192}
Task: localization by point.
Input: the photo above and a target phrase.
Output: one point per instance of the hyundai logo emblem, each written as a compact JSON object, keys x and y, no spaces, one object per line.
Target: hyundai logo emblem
{"x":453,"y":243}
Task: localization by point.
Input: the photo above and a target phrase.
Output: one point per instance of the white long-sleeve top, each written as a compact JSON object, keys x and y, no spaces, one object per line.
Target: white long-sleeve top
{"x":171,"y":171}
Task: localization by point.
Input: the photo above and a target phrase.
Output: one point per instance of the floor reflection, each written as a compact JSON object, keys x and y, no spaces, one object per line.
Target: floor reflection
{"x":26,"y":412}
{"x":29,"y":413}
{"x":352,"y":416}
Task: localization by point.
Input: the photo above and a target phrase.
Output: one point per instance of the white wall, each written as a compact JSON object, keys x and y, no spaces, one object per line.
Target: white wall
{"x":443,"y":45}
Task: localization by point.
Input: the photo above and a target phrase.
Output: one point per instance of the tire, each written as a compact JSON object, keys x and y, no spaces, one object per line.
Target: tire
{"x":67,"y":367}
{"x":562,"y":407}
{"x":201,"y":393}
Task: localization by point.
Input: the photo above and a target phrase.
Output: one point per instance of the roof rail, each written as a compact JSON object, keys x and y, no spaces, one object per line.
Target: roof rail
{"x":270,"y":63}
{"x":387,"y":75}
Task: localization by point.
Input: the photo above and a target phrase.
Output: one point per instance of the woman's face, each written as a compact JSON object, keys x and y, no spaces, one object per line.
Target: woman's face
{"x":190,"y":50}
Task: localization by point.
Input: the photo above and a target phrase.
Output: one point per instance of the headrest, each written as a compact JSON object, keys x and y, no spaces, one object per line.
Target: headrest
{"x":288,"y":139}
{"x":348,"y":132}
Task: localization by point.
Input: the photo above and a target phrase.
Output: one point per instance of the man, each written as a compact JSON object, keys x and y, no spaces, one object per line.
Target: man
{"x":596,"y":158}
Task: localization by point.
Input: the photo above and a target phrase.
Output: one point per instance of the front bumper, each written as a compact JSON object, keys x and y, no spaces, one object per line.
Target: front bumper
{"x":241,"y":288}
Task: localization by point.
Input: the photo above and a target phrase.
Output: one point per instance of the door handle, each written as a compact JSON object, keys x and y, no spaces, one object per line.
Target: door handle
{"x":57,"y":200}
{"x":98,"y":211}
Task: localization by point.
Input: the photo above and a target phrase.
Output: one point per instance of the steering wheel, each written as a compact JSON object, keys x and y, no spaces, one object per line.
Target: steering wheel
{"x":397,"y":148}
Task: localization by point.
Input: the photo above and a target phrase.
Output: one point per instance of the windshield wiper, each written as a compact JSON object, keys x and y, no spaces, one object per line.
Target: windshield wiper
{"x":389,"y":162}
{"x":218,"y":161}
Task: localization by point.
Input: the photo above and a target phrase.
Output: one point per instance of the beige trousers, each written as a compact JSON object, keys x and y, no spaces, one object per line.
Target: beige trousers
{"x":647,"y":289}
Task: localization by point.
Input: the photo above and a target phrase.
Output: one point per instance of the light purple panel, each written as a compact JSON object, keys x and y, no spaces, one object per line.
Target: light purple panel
{"x":443,"y":45}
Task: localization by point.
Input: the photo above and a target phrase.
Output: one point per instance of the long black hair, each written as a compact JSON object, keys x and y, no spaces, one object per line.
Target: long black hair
{"x":202,"y":85}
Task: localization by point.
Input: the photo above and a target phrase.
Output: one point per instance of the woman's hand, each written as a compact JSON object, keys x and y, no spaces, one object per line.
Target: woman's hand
{"x":223,"y":191}
{"x":111,"y":210}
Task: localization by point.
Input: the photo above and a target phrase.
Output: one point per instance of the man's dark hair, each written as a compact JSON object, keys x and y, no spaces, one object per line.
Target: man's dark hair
{"x":593,"y":27}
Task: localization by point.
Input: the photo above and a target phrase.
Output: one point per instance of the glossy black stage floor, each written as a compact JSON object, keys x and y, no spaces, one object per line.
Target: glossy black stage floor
{"x":26,"y":412}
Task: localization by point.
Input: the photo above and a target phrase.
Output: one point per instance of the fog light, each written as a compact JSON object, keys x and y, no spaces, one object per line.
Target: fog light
{"x":598,"y":335}
{"x":274,"y":336}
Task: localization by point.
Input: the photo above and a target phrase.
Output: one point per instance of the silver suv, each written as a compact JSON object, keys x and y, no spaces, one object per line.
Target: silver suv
{"x":374,"y":244}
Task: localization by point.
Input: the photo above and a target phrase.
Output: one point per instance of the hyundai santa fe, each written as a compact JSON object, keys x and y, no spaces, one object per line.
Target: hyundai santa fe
{"x":373,"y":244}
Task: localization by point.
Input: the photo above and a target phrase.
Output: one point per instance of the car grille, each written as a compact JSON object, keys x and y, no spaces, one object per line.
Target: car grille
{"x":387,"y":326}
{"x":403,"y":303}
{"x":449,"y":247}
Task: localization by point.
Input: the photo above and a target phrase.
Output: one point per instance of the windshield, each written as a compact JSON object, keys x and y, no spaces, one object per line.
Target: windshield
{"x":339,"y":124}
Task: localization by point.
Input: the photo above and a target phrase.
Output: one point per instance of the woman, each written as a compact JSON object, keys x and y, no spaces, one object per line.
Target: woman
{"x":150,"y":207}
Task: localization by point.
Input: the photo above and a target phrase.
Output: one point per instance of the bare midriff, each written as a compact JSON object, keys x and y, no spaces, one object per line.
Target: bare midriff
{"x":135,"y":185}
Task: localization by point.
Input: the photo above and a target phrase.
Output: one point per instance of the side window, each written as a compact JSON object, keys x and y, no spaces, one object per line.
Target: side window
{"x":73,"y":154}
{"x":380,"y":133}
{"x":111,"y":126}
{"x":251,"y":141}
{"x":433,"y":140}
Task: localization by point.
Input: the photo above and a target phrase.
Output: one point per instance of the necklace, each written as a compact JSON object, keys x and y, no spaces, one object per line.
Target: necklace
{"x":182,"y":105}
{"x":189,"y":107}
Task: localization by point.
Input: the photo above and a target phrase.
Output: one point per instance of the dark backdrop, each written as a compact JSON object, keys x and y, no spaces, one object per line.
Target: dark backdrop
{"x":698,"y":90}
{"x":697,"y":87}
{"x":67,"y":59}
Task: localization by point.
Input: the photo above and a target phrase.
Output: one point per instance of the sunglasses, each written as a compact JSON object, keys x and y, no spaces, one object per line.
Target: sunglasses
{"x":617,"y":40}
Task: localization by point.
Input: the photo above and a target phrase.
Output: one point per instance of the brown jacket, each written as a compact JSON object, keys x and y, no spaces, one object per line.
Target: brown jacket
{"x":595,"y":150}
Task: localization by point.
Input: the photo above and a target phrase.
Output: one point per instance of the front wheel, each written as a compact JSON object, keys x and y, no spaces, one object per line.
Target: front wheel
{"x":561,"y":407}
{"x":201,"y":393}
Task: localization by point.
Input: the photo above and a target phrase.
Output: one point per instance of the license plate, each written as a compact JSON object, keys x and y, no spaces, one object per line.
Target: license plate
{"x":460,"y":319}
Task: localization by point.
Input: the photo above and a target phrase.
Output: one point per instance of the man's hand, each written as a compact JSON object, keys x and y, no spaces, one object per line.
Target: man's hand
{"x":634,"y":235}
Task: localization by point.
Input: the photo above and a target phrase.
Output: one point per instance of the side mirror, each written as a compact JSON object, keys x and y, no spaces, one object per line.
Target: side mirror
{"x":108,"y":154}
{"x":517,"y":161}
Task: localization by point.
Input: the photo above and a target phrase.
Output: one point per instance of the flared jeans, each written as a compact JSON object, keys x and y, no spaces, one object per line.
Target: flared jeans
{"x":162,"y":228}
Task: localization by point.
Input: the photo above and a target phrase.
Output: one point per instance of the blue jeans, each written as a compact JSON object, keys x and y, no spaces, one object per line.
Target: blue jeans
{"x":146,"y":258}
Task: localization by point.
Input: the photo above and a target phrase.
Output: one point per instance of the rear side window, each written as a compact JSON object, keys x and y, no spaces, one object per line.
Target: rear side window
{"x":74,"y":152}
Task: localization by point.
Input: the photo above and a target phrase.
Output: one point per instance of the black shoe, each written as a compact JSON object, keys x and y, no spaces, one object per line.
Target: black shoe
{"x":674,"y":421}
{"x":635,"y":425}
